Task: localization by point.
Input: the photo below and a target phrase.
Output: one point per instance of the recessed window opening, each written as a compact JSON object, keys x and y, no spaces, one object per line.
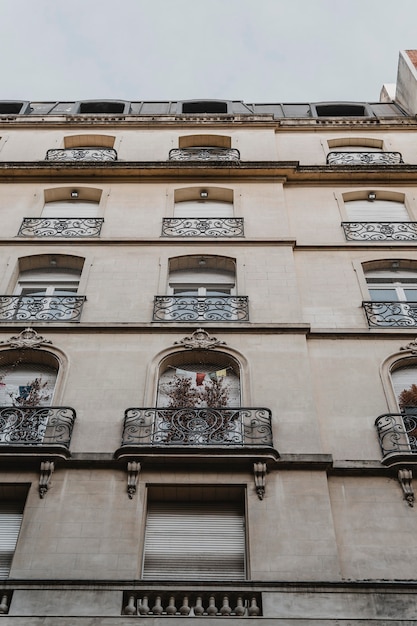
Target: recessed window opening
{"x":27,"y":378}
{"x":199,"y":379}
{"x":376,"y":210}
{"x":195,"y":533}
{"x":71,"y":208}
{"x":204,"y":141}
{"x":392,"y":285}
{"x":203,"y":208}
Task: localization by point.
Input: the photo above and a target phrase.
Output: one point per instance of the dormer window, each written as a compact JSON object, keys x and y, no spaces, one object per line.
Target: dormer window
{"x":103,"y":107}
{"x":341,"y":109}
{"x":9,"y":107}
{"x":204,"y":106}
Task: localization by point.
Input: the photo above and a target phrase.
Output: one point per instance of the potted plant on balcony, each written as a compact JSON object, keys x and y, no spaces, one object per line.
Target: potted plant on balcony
{"x":28,"y":423}
{"x":205,"y":422}
{"x":407,"y":400}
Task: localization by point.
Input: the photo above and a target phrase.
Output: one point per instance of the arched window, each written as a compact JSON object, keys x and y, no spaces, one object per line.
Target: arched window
{"x":393,"y":293}
{"x":27,"y":378}
{"x":84,"y":148}
{"x":203,"y":212}
{"x":201,"y":288}
{"x":377,"y":216}
{"x":202,"y":276}
{"x":46,"y":290}
{"x":67,"y":212}
{"x":199,"y":379}
{"x":204,"y":148}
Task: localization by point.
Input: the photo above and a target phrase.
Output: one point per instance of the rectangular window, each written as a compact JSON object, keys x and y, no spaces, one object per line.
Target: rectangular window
{"x":12,"y":502}
{"x":195,"y":539}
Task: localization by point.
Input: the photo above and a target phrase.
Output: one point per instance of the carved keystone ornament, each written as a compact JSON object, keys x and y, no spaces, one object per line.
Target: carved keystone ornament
{"x":28,"y":338}
{"x":200,"y":340}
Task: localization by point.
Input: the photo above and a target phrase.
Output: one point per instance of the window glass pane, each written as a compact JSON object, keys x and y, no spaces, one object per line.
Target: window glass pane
{"x":411,"y":295}
{"x":383,"y":294}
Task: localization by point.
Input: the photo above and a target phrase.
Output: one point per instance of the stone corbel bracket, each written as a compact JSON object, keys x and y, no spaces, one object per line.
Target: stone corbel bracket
{"x":47,"y":469}
{"x":259,"y":471}
{"x":405,"y":478}
{"x":133,"y":469}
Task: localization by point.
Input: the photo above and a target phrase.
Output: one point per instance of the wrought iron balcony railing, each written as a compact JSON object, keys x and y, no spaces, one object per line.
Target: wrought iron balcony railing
{"x":202,"y":227}
{"x":364,"y":158}
{"x":41,"y":308}
{"x":207,"y":427}
{"x":201,"y":309}
{"x":399,"y":314}
{"x":204,"y":154}
{"x":82,"y":154}
{"x":36,"y":426}
{"x":193,"y":603}
{"x":60,"y":227}
{"x":380,"y":231}
{"x":397,"y":433}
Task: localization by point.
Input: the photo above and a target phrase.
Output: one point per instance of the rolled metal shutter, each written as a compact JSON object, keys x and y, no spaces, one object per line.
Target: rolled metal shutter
{"x":194,"y":540}
{"x":11,"y":514}
{"x":378,"y":211}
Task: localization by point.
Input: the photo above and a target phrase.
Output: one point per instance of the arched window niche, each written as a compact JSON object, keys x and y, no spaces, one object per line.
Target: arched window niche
{"x":203,"y":212}
{"x":204,"y":148}
{"x":377,"y":215}
{"x":360,"y":151}
{"x":32,"y":374}
{"x":67,"y":212}
{"x":392,"y":292}
{"x":201,"y":288}
{"x":397,"y":430}
{"x":199,"y":394}
{"x":86,"y":147}
{"x":45,"y":288}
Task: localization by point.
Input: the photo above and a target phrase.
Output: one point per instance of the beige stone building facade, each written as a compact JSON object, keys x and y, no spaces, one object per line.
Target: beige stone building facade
{"x":207,"y":358}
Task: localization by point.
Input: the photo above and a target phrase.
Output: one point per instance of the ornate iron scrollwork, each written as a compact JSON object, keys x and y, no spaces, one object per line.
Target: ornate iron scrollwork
{"x":380,"y":231}
{"x":204,"y":154}
{"x":364,"y":158}
{"x":42,"y":426}
{"x":400,"y":314}
{"x":234,"y":427}
{"x":202,"y":227}
{"x":82,"y":154}
{"x":201,"y":309}
{"x":397,"y":433}
{"x":60,"y":227}
{"x":41,"y":308}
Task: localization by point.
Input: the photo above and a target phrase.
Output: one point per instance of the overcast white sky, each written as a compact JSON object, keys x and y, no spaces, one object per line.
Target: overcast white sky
{"x":251,"y":50}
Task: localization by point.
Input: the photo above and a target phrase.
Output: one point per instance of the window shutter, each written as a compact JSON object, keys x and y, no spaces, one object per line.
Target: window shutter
{"x":203,"y":209}
{"x":194,"y":540}
{"x":10,"y":520}
{"x":378,"y":211}
{"x":68,"y":209}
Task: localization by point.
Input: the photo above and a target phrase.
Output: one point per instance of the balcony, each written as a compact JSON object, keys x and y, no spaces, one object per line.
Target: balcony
{"x":204,"y":154}
{"x":198,"y":435}
{"x":23,"y":428}
{"x":380,"y":231}
{"x":202,"y":227}
{"x":201,"y":309}
{"x":364,"y":158}
{"x":397,"y":433}
{"x":41,"y":308}
{"x":81,"y":154}
{"x":64,"y":227}
{"x":391,"y":314}
{"x":193,"y":603}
